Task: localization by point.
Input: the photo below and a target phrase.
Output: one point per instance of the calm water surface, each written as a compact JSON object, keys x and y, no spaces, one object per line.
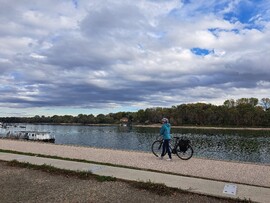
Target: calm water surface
{"x":237,"y":145}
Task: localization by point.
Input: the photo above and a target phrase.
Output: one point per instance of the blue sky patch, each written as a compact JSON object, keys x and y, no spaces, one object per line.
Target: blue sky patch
{"x":216,"y":31}
{"x":201,"y":52}
{"x":244,"y":12}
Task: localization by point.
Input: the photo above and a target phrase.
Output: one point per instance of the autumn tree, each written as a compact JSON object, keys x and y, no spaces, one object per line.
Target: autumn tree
{"x":265,"y":103}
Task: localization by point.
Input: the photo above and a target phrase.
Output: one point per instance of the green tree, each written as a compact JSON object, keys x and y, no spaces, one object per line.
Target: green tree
{"x":252,"y":101}
{"x":229,"y":103}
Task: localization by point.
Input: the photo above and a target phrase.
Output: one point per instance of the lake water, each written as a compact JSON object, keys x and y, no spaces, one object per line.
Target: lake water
{"x":237,"y":145}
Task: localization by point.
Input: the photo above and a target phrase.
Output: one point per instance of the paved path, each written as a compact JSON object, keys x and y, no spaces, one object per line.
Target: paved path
{"x":198,"y":175}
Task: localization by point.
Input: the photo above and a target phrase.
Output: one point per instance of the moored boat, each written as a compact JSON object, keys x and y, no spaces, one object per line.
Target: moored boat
{"x":39,"y":136}
{"x":31,"y":135}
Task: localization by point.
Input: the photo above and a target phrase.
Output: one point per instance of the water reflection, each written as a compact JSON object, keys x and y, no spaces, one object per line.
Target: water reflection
{"x":248,"y":146}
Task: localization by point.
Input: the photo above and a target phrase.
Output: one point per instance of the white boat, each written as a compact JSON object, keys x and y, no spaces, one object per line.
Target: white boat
{"x":39,"y":136}
{"x":16,"y":132}
{"x":31,"y":135}
{"x":3,"y":125}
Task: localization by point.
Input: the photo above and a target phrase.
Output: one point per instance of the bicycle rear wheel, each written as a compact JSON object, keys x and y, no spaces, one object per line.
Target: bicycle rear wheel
{"x":185,"y":155}
{"x":157,"y":148}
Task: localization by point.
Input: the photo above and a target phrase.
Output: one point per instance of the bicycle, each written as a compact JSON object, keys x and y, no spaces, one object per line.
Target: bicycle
{"x":181,"y":148}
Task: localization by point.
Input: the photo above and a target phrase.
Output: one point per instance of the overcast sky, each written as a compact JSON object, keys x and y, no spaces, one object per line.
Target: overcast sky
{"x":66,"y":57}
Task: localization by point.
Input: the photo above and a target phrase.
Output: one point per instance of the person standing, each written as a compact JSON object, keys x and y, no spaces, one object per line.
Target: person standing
{"x":165,"y":131}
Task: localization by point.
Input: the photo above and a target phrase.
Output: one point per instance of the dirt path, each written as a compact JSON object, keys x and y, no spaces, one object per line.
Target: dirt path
{"x":28,"y":185}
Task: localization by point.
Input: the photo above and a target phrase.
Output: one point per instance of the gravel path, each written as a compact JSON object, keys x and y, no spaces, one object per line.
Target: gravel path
{"x":247,"y":173}
{"x":23,"y":185}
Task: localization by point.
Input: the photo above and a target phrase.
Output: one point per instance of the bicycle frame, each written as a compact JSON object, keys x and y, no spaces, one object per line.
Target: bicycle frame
{"x":180,"y":147}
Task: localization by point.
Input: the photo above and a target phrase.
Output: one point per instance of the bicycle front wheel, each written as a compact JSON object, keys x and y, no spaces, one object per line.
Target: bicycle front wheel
{"x":157,"y":148}
{"x":185,"y":155}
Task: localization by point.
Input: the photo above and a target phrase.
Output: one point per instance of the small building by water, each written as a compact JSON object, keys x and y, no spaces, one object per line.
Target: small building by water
{"x":125,"y":122}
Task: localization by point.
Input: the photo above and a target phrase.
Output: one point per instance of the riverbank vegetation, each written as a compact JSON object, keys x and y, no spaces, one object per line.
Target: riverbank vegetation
{"x":244,"y":112}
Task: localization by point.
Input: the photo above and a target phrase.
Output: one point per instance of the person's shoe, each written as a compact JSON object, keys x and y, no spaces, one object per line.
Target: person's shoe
{"x":168,"y":159}
{"x":160,"y":157}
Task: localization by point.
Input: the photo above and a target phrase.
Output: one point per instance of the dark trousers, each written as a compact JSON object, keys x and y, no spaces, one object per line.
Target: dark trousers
{"x":166,"y":148}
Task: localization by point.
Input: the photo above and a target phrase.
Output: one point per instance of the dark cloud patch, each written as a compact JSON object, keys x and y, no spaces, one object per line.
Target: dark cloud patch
{"x":116,"y":20}
{"x":85,"y":53}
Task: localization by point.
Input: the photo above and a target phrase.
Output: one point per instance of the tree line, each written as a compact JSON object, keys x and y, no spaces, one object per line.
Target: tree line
{"x":244,"y":112}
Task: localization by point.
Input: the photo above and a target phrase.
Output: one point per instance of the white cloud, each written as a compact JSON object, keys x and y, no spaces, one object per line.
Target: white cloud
{"x":130,"y":54}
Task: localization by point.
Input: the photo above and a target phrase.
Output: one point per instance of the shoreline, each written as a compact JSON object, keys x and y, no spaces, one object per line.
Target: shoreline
{"x":159,"y":125}
{"x":178,"y":126}
{"x":205,"y":127}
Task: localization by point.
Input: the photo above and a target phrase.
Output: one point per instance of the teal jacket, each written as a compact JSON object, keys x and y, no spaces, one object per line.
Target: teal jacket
{"x":165,"y":131}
